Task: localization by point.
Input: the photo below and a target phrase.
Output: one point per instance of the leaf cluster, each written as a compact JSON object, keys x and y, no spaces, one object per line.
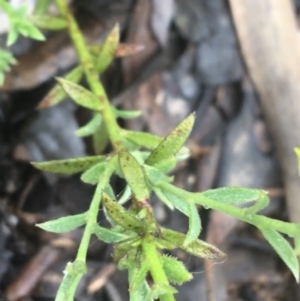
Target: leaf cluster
{"x":20,"y":23}
{"x":144,"y":161}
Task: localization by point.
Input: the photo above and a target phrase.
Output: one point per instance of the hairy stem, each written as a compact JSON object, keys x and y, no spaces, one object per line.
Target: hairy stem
{"x":91,"y":221}
{"x":93,"y":211}
{"x":91,"y":75}
{"x":151,"y":256}
{"x":242,"y":214}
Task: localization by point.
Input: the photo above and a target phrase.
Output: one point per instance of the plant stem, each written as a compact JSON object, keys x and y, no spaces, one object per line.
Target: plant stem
{"x":240,"y":213}
{"x":93,"y":211}
{"x":151,"y":256}
{"x":91,"y":75}
{"x":91,"y":221}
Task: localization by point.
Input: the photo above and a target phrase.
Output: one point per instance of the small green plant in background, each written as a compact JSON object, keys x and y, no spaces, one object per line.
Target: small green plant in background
{"x":19,"y":25}
{"x":144,"y":161}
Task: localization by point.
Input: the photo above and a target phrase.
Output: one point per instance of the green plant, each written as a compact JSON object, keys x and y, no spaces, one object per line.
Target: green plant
{"x":22,"y":24}
{"x":143,"y":160}
{"x":19,"y":24}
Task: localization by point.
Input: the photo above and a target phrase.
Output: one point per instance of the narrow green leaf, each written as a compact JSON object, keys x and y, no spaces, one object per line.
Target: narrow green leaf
{"x":171,"y":145}
{"x":232,"y":195}
{"x":34,"y":33}
{"x":64,"y":224}
{"x":126,"y":195}
{"x":163,"y":244}
{"x":202,"y":249}
{"x":108,"y":235}
{"x":177,"y":202}
{"x":166,"y":165}
{"x":23,"y":30}
{"x":94,"y":50}
{"x":72,"y":275}
{"x":194,"y":225}
{"x":154,"y":175}
{"x":19,"y":12}
{"x":131,"y":147}
{"x":126,"y":263}
{"x":100,"y":139}
{"x":175,"y":270}
{"x":146,"y":140}
{"x":142,"y":292}
{"x":197,"y":248}
{"x":48,"y":22}
{"x":126,"y":114}
{"x":107,"y":173}
{"x":109,"y":191}
{"x":80,"y":95}
{"x":91,"y":127}
{"x":42,"y":7}
{"x":120,"y":216}
{"x":283,"y":249}
{"x":57,"y":94}
{"x":126,"y":248}
{"x":6,"y":59}
{"x":134,"y":175}
{"x":68,"y":166}
{"x":140,"y":276}
{"x":108,"y":49}
{"x":159,"y":289}
{"x":92,"y":175}
{"x":12,"y":36}
{"x":163,"y":198}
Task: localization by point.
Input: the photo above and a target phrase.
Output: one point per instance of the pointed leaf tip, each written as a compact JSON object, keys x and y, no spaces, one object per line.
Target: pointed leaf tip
{"x":68,"y":166}
{"x":64,"y":224}
{"x":106,"y":54}
{"x":283,"y":249}
{"x":172,"y":144}
{"x":175,"y":270}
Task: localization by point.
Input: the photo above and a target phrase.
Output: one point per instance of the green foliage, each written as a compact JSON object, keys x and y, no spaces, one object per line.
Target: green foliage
{"x":109,"y":236}
{"x":133,"y":175}
{"x":64,"y":224}
{"x":283,"y":249}
{"x":91,"y":127}
{"x":69,"y":166}
{"x":80,"y":95}
{"x":93,"y":174}
{"x":121,"y":217}
{"x":57,"y":94}
{"x":19,"y":23}
{"x":72,"y":275}
{"x":143,"y":160}
{"x":171,"y":145}
{"x":194,"y":225}
{"x":48,"y":22}
{"x":106,"y":54}
{"x":232,"y":195}
{"x":6,"y":59}
{"x":175,"y":270}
